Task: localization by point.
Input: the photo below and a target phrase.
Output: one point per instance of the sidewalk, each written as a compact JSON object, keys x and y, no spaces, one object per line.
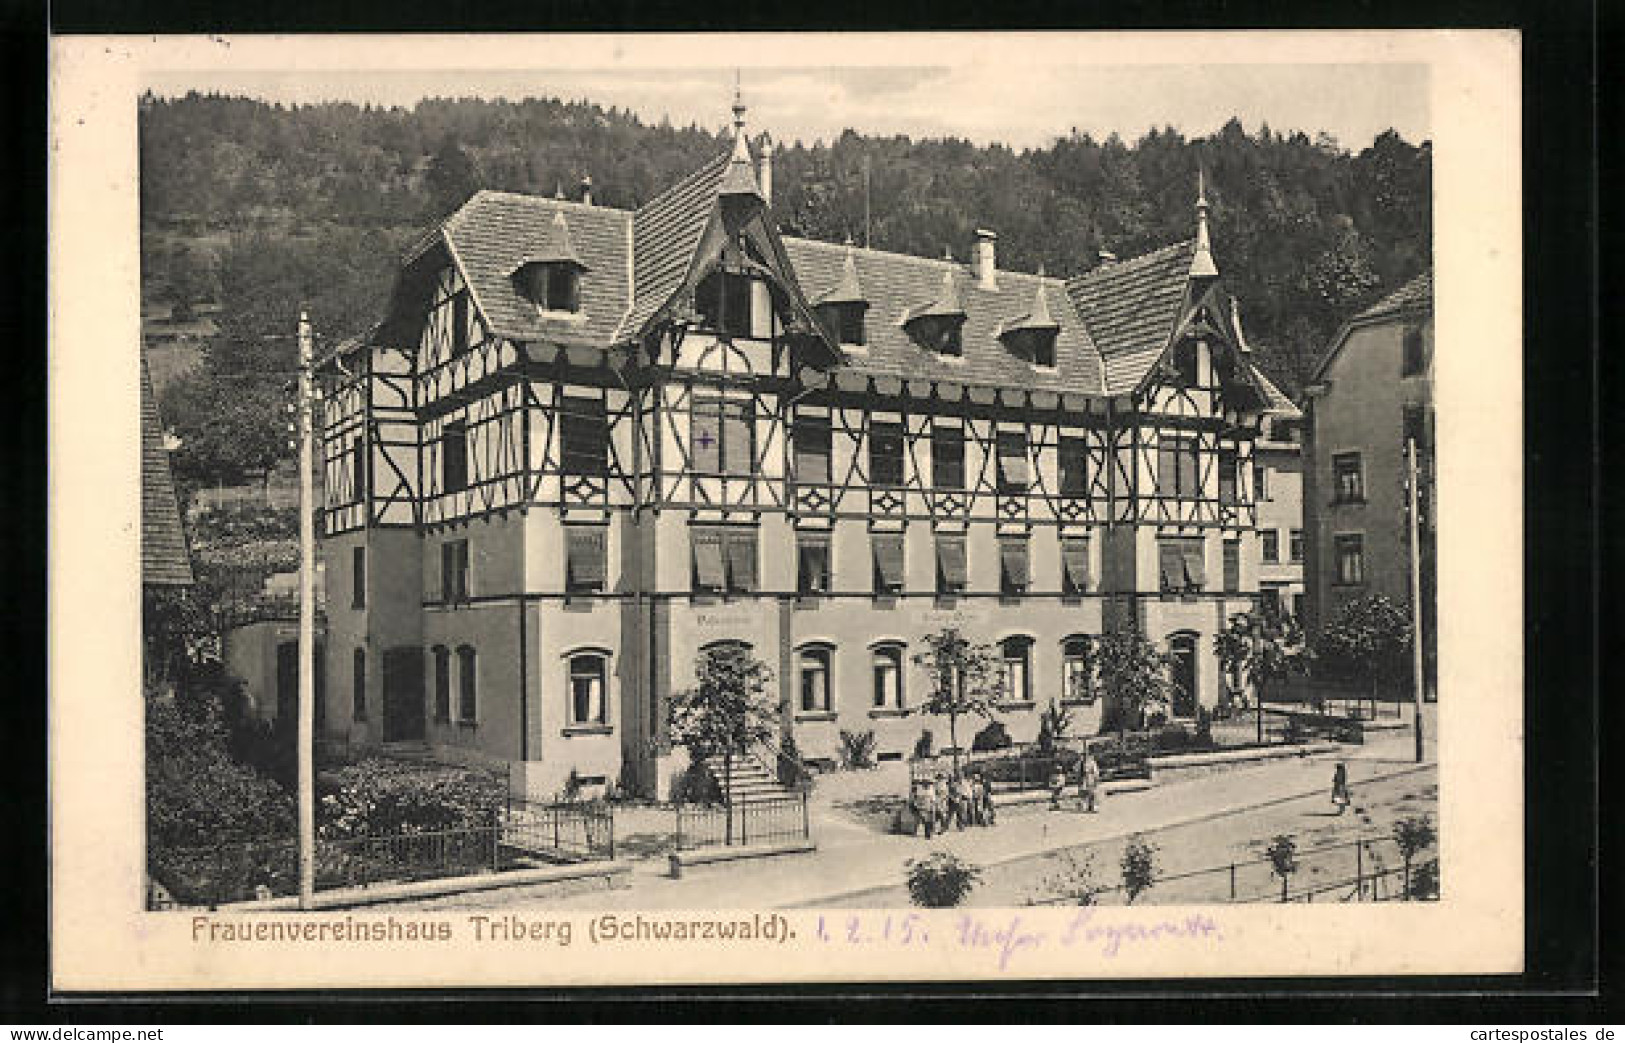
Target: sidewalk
{"x":853,"y":856}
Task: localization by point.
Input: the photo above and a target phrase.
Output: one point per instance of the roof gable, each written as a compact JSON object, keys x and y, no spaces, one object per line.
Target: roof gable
{"x":1132,"y":308}
{"x":665,"y":235}
{"x":495,"y":233}
{"x":1412,"y":300}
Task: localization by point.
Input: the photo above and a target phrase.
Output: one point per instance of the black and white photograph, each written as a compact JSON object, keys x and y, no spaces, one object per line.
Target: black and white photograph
{"x":945,"y":494}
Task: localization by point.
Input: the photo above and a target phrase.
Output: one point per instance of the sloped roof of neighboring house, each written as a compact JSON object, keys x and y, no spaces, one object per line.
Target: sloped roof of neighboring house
{"x":165,"y":560}
{"x":899,"y":285}
{"x":1131,"y":308}
{"x":1412,"y":299}
{"x":1416,"y":295}
{"x":492,"y":234}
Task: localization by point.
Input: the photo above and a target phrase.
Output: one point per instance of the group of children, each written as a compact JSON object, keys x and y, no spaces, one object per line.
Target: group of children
{"x":957,"y":800}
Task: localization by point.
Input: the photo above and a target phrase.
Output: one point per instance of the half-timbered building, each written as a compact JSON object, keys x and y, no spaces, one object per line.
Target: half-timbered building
{"x":586,"y":443}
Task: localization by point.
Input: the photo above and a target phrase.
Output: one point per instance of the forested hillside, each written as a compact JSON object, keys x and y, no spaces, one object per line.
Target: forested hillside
{"x":266,"y":208}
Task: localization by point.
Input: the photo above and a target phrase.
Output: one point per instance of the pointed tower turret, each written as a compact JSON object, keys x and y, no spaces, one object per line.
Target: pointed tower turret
{"x":739,"y":180}
{"x":1202,"y":266}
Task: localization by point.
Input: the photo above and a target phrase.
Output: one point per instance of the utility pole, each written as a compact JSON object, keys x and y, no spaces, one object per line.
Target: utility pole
{"x":307,"y":626}
{"x":1416,"y":589}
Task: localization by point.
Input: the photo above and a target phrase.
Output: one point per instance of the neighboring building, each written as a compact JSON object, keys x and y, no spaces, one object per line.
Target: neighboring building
{"x":1278,"y":489}
{"x":1372,"y":392}
{"x":586,"y":443}
{"x":165,"y":560}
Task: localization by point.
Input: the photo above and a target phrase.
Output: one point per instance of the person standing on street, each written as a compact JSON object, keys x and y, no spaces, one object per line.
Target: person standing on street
{"x":1089,"y":782}
{"x":1340,"y":787}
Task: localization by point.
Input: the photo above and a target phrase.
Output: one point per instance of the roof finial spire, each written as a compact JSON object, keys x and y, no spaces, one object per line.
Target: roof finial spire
{"x":739,"y":104}
{"x":1202,"y":266}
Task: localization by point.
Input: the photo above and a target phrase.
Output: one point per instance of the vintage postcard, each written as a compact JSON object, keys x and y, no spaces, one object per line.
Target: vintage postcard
{"x":657,"y":510}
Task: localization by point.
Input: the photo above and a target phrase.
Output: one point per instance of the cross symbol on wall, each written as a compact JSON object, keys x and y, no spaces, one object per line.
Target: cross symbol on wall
{"x":705,"y":439}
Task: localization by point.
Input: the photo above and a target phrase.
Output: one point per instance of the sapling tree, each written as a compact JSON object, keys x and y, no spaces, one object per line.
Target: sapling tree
{"x":1413,"y":835}
{"x":1283,"y":856}
{"x":726,"y":712}
{"x":940,"y":881}
{"x":961,"y":679}
{"x":1139,"y":867}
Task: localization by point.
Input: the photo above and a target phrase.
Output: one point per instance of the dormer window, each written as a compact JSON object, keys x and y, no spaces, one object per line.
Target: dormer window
{"x":723,"y":300}
{"x":845,"y":320}
{"x":939,"y":333}
{"x":1032,"y":345}
{"x":548,"y":273}
{"x":552,"y":286}
{"x":1184,"y":363}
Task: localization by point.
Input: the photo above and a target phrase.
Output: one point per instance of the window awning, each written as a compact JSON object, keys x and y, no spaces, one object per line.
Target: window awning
{"x":1171,"y":565}
{"x":742,"y":560}
{"x":586,"y":554}
{"x":1075,"y":557}
{"x":708,"y":568}
{"x":889,"y":558}
{"x":951,"y":559}
{"x":1195,"y":575}
{"x":1013,"y":555}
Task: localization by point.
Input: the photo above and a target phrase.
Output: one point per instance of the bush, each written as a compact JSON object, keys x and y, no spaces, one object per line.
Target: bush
{"x":994,"y":737}
{"x":696,"y":785}
{"x":1074,"y":879}
{"x":940,"y":881}
{"x":857,"y":749}
{"x":1139,"y":867}
{"x":792,"y":770}
{"x":1283,"y":858}
{"x":1424,"y":883}
{"x":377,"y":797}
{"x":925,"y":745}
{"x":196,"y":794}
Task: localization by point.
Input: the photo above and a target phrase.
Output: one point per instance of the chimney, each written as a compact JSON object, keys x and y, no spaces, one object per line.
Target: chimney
{"x":764,"y":166}
{"x":987,"y":269}
{"x":586,"y":189}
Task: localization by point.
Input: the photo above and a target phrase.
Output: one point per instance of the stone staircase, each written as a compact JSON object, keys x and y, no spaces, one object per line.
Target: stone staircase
{"x":751,"y":782}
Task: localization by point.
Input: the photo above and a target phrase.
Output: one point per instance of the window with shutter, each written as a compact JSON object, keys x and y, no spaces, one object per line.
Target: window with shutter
{"x":442,"y":682}
{"x":741,"y":550}
{"x":709,"y":572}
{"x":1077,"y":681}
{"x":1295,"y":544}
{"x":1013,"y":565}
{"x":358,"y":577}
{"x":812,"y":447}
{"x":358,"y":686}
{"x":885,"y":454}
{"x":467,"y":681}
{"x":948,"y":457}
{"x":888,"y":551}
{"x":1074,"y":461}
{"x":588,"y":673}
{"x":1195,"y":571}
{"x":705,"y":436}
{"x":453,"y":457}
{"x":888,"y":678}
{"x":586,"y":553}
{"x":1075,"y":565}
{"x":738,"y":440}
{"x":1348,"y":479}
{"x":1190,"y":483}
{"x":814,"y":670}
{"x":1232,"y":566}
{"x":1016,"y":656}
{"x":1171,"y":565}
{"x":1013,"y":477}
{"x":583,"y":437}
{"x":454,"y":572}
{"x":1227,"y":476}
{"x":1350,"y":549}
{"x":812,"y":564}
{"x":950,"y":564}
{"x":1271,"y":540}
{"x":459,"y":323}
{"x":358,"y":464}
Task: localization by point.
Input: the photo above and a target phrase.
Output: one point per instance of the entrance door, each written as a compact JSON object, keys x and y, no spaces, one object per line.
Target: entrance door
{"x":1182,"y":649}
{"x":403,"y":695}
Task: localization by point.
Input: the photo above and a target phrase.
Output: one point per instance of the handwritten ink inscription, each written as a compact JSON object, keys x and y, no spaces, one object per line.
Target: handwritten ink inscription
{"x":1008,"y":940}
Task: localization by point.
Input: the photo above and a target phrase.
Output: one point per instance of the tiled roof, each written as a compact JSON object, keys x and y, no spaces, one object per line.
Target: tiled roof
{"x":898,"y":284}
{"x":495,"y":231}
{"x":1416,"y":294}
{"x":1277,"y":402}
{"x":1131,"y":307}
{"x":164,"y":558}
{"x":665,"y":232}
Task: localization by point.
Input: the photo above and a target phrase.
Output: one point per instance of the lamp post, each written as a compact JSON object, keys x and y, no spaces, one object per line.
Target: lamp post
{"x":307,"y":627}
{"x":1416,"y":590}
